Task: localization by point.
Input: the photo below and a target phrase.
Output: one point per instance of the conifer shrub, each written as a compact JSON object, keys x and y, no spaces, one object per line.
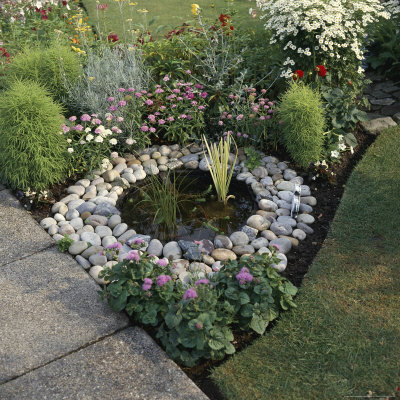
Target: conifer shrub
{"x":32,"y":151}
{"x":51,"y":67}
{"x":303,"y":121}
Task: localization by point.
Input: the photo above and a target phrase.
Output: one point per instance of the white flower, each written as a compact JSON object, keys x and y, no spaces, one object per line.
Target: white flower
{"x":70,"y":150}
{"x":107,"y":132}
{"x":98,"y":139}
{"x":342,"y":146}
{"x":87,"y":130}
{"x":113,"y":141}
{"x":130,"y":141}
{"x":69,"y":140}
{"x":82,"y":142}
{"x":351,"y":150}
{"x":334,"y":154}
{"x":89,"y":137}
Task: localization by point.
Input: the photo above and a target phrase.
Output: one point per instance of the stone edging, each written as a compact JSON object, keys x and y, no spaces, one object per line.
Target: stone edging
{"x":89,"y":216}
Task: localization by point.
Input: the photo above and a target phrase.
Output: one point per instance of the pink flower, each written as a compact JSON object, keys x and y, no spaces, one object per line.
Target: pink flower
{"x":110,"y":99}
{"x":121,"y":90}
{"x":96,"y":121}
{"x":131,"y":89}
{"x":179,"y":98}
{"x":162,"y":279}
{"x":245,"y":135}
{"x":239,"y":117}
{"x":152,"y":130}
{"x":78,"y":127}
{"x":133,"y":255}
{"x":137,"y":94}
{"x":262,"y":118}
{"x":162,"y":108}
{"x":122,"y":103}
{"x":268,"y":117}
{"x":115,"y":245}
{"x":147,"y":282}
{"x":149,"y":102}
{"x":120,"y":119}
{"x":152,"y":118}
{"x":113,"y":108}
{"x":203,"y":281}
{"x":188,"y":71}
{"x":158,"y":91}
{"x":194,"y":103}
{"x":161,"y":121}
{"x":203,"y":95}
{"x":65,"y":128}
{"x":190,"y":294}
{"x":144,"y":128}
{"x":162,"y":262}
{"x":275,"y":246}
{"x":198,"y":86}
{"x":201,"y":108}
{"x":171,"y":119}
{"x":183,"y":116}
{"x":166,"y":78}
{"x":176,"y":90}
{"x":72,"y":119}
{"x":85,"y":117}
{"x":173,"y":105}
{"x":229,"y":116}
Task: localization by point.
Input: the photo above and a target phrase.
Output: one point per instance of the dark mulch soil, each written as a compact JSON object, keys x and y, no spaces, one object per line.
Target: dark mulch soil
{"x":327,"y":188}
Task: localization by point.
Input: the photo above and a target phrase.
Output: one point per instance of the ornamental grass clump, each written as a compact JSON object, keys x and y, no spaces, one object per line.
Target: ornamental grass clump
{"x":218,"y":163}
{"x":303,"y":122}
{"x":46,"y":66}
{"x":32,"y":150}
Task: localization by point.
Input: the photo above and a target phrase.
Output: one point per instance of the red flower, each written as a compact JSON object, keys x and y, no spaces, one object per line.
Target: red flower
{"x":321,"y":70}
{"x":231,"y":27}
{"x":3,"y":52}
{"x":113,"y":37}
{"x":224,"y":18}
{"x":298,"y":74}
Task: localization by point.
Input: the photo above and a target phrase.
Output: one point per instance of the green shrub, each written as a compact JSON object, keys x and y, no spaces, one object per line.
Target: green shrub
{"x":47,"y":66}
{"x":32,"y":151}
{"x":303,"y":122}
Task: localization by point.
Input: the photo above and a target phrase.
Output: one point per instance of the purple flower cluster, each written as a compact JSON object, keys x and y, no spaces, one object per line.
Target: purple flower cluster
{"x":147,"y":282}
{"x":162,"y":280}
{"x":203,"y":281}
{"x":133,"y":255}
{"x":244,"y":276}
{"x":190,"y":294}
{"x":116,"y":245}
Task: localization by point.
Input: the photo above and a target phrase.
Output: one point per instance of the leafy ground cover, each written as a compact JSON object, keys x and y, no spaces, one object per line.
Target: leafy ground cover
{"x":342,"y":340}
{"x":164,"y":14}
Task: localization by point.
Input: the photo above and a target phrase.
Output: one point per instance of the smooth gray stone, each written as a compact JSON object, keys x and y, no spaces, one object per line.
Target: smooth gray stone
{"x":60,"y":208}
{"x":189,"y":157}
{"x":87,"y":206}
{"x":66,"y":229}
{"x":75,"y":204}
{"x":267,"y":205}
{"x":305,"y":219}
{"x":269,"y":235}
{"x":280,"y":212}
{"x":145,"y":238}
{"x":76,"y":189}
{"x":20,"y":234}
{"x":284,"y":244}
{"x":304,"y":227}
{"x":285,"y":185}
{"x":83,"y":262}
{"x":258,"y":222}
{"x":305,"y":190}
{"x":309,"y":200}
{"x":106,"y":209}
{"x":92,"y":238}
{"x":86,"y":228}
{"x":375,"y":126}
{"x":250,"y":232}
{"x":84,"y":182}
{"x":92,"y":250}
{"x":259,"y":242}
{"x":69,"y":198}
{"x":77,"y":247}
{"x":97,"y":259}
{"x":298,"y":180}
{"x":172,"y":251}
{"x":47,"y":222}
{"x":75,"y":237}
{"x":260,"y":172}
{"x":246,"y":249}
{"x":222,"y":242}
{"x":57,"y":237}
{"x":267,"y":181}
{"x":299,"y":234}
{"x":107,"y":240}
{"x":155,"y":247}
{"x":53,"y":230}
{"x":127,"y":235}
{"x":103,"y":231}
{"x":120,"y":229}
{"x":239,"y":238}
{"x":76,"y":223}
{"x":96,"y":220}
{"x":270,"y":159}
{"x":286,"y":195}
{"x":114,"y":221}
{"x":50,"y":308}
{"x":287,"y":220}
{"x":281,"y":229}
{"x":305,"y":208}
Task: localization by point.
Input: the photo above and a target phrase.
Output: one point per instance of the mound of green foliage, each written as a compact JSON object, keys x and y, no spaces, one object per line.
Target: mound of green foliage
{"x":303,"y":123}
{"x":50,"y":67}
{"x":32,"y":151}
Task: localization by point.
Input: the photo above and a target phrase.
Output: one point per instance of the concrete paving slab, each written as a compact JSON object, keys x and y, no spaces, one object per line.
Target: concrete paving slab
{"x":20,"y":234}
{"x":127,"y":365}
{"x":49,"y":307}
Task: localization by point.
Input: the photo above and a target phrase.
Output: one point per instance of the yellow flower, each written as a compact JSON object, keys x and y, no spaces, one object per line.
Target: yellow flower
{"x":91,"y":78}
{"x":195,"y":9}
{"x":143,"y":10}
{"x":132,"y":4}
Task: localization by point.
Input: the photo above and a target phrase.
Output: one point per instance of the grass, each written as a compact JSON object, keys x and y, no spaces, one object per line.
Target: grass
{"x":344,"y":337}
{"x":164,"y":15}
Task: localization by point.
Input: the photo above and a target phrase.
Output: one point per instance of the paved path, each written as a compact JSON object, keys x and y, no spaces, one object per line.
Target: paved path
{"x":57,"y":340}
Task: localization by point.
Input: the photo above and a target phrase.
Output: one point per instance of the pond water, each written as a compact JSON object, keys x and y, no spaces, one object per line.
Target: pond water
{"x":200,"y":216}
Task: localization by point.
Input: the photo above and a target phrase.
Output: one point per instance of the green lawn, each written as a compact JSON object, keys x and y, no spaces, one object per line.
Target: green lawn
{"x":167,"y":14}
{"x":344,"y":337}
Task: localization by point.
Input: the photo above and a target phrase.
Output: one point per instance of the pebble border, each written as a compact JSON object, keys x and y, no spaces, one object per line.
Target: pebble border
{"x":89,"y":216}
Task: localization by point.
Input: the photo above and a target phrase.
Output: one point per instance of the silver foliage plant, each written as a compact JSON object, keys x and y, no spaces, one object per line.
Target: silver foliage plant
{"x":106,"y":71}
